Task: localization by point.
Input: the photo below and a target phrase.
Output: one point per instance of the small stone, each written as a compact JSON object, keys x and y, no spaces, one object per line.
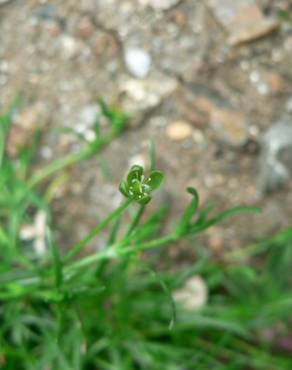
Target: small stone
{"x":85,"y":28}
{"x":159,"y":4}
{"x":180,"y":18}
{"x":242,"y":19}
{"x":216,"y":244}
{"x":267,"y":82}
{"x":87,"y":115}
{"x":138,"y":96}
{"x":37,"y":233}
{"x":46,"y":12}
{"x":138,"y":159}
{"x":104,"y":44}
{"x":138,"y":62}
{"x":230,"y":125}
{"x":4,"y":67}
{"x":46,"y":152}
{"x":275,"y":165}
{"x":194,"y":294}
{"x":179,"y":130}
{"x":70,"y":48}
{"x":275,"y":82}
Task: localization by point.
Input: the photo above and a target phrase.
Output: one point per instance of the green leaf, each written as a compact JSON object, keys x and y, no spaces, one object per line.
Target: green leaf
{"x":146,"y":199}
{"x":234,"y":211}
{"x":124,"y":189}
{"x":189,"y":212}
{"x":155,"y":179}
{"x":135,"y":173}
{"x":203,"y":224}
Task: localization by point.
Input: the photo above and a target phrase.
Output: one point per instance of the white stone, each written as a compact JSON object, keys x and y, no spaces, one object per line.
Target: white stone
{"x":70,"y":48}
{"x":194,"y":294}
{"x":159,"y":4}
{"x":138,"y":62}
{"x":141,"y":95}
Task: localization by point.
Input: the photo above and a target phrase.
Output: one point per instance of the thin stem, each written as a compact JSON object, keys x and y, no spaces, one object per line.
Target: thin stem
{"x":55,"y":166}
{"x":135,"y":220}
{"x":114,"y":231}
{"x":92,"y":234}
{"x":71,"y":159}
{"x":151,"y":244}
{"x":114,"y":252}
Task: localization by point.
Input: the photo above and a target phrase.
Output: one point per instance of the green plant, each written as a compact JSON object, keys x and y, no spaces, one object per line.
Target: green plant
{"x":110,"y":309}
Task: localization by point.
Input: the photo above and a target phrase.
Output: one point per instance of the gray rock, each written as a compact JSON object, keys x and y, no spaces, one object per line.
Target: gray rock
{"x":138,"y":62}
{"x":46,"y":12}
{"x":275,"y":165}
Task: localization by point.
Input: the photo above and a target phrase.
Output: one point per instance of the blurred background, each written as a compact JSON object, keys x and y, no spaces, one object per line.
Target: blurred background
{"x":208,"y":81}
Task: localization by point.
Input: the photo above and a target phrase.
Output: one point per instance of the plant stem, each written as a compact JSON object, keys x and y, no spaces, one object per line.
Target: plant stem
{"x":72,"y":158}
{"x":151,"y":244}
{"x":114,"y":252}
{"x":135,"y":220}
{"x":77,"y":247}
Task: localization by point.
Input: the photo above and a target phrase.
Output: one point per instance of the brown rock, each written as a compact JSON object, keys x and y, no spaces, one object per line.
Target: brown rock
{"x":179,"y":130}
{"x":85,"y":28}
{"x":242,"y":19}
{"x":230,"y":125}
{"x":104,"y":45}
{"x":275,"y":82}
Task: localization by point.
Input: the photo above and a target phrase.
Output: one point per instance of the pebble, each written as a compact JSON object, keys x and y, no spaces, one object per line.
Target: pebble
{"x":230,"y":125}
{"x":159,"y":4}
{"x":138,"y":62}
{"x":179,"y":130}
{"x":267,"y":82}
{"x":46,"y":152}
{"x":105,"y":45}
{"x":70,"y":48}
{"x":46,"y":12}
{"x":138,"y":96}
{"x":194,"y":294}
{"x":87,"y":115}
{"x":138,"y":159}
{"x":37,"y":233}
{"x":243,"y":20}
{"x":275,"y":164}
{"x":85,"y":28}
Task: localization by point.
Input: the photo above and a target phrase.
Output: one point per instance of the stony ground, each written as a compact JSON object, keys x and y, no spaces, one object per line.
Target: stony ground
{"x":204,"y":79}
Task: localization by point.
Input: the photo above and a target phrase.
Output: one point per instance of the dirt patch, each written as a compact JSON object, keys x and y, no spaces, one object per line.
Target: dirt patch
{"x":63,"y":55}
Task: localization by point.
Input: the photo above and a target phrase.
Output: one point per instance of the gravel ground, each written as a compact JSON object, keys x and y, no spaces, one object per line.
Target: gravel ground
{"x":204,"y":79}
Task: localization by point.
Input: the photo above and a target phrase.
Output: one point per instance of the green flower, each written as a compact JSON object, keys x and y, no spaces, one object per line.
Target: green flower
{"x":137,"y":187}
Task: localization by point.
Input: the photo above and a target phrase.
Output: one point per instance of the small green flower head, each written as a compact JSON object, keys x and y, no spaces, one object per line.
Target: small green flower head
{"x":137,"y":187}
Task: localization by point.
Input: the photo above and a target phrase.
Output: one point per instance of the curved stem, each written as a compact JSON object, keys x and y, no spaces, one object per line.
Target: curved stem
{"x":92,"y":234}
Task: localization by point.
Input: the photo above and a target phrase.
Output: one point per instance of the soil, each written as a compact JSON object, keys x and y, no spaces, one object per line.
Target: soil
{"x":62,"y":55}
